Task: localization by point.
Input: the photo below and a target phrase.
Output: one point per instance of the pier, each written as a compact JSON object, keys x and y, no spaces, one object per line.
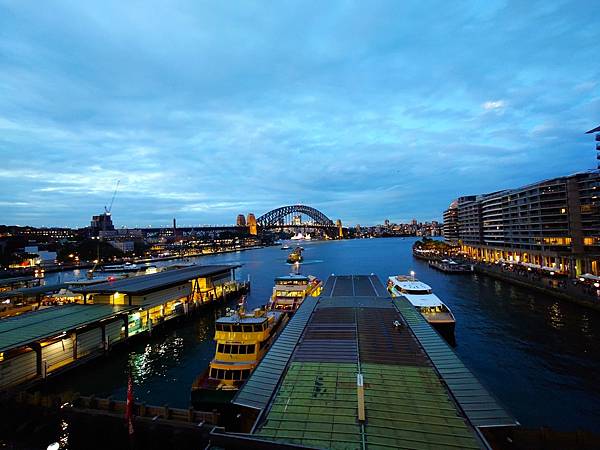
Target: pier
{"x":41,"y":344}
{"x":354,"y":369}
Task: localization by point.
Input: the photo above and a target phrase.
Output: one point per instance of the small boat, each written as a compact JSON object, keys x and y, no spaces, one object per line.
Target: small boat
{"x":285,"y":247}
{"x":129,"y":267}
{"x":420,"y":295}
{"x":290,"y":291}
{"x":295,"y":256}
{"x":242,"y":339}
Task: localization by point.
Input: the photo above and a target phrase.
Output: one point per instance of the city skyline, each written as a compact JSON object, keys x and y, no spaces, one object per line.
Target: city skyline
{"x":370,"y":112}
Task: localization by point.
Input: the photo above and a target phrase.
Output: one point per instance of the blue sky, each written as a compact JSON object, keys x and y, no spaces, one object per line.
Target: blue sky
{"x":364,"y":110}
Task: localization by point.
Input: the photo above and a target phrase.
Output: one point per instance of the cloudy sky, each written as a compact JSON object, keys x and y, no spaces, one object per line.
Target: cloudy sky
{"x":364,"y":110}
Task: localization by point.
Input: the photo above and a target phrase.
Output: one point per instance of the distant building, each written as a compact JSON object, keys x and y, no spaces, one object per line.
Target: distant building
{"x":386,"y":223}
{"x":553,"y":223}
{"x":241,"y":220}
{"x":101,"y":222}
{"x":124,"y":246}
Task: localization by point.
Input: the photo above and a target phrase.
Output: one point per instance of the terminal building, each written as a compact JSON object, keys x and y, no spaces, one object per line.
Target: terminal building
{"x":553,"y":224}
{"x":39,"y":344}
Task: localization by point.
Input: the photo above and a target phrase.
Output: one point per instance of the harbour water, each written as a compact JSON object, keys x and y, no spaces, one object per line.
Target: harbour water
{"x":539,"y":356}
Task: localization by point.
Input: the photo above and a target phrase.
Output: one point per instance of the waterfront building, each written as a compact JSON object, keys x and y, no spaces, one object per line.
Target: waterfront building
{"x":450,"y":227}
{"x":553,"y":224}
{"x":40,"y":344}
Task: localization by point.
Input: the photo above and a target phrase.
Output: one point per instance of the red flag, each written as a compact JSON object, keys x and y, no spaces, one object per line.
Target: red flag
{"x":129,"y":410}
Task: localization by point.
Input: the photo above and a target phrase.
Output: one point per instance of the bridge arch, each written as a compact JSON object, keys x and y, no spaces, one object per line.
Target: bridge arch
{"x":273,"y":217}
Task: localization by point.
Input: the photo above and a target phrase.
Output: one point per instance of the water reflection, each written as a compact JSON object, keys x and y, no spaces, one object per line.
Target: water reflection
{"x":155,"y":360}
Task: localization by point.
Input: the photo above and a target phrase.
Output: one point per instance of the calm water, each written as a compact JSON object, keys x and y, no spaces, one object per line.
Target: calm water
{"x":540,"y":357}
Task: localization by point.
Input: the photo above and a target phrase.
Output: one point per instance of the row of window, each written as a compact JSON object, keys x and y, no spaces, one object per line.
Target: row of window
{"x":236,"y":349}
{"x":238,"y":328}
{"x":235,"y":375}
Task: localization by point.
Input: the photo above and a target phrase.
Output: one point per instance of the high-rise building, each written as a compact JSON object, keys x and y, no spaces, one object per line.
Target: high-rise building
{"x":241,"y":220}
{"x":554,"y":223}
{"x":450,"y":227}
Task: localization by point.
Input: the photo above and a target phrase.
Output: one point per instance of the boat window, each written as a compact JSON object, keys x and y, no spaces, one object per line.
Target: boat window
{"x":245,"y":374}
{"x":213,"y":373}
{"x":247,"y":328}
{"x":235,"y":349}
{"x":241,"y":349}
{"x":220,"y":348}
{"x":220,"y":373}
{"x":237,"y":328}
{"x":250,"y":349}
{"x":227,"y":348}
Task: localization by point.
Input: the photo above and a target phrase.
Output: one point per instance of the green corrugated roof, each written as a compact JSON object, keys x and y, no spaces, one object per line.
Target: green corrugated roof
{"x":31,"y":327}
{"x":406,"y":407}
{"x":479,"y":405}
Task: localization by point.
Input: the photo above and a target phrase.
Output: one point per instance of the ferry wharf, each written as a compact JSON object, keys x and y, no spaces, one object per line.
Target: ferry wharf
{"x":355,"y":368}
{"x":37,"y":345}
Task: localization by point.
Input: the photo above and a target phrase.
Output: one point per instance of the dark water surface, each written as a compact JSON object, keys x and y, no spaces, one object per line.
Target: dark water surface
{"x":539,"y":356}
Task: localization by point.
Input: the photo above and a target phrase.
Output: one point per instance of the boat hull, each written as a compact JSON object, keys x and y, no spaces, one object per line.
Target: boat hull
{"x":206,"y":399}
{"x":445,"y":329}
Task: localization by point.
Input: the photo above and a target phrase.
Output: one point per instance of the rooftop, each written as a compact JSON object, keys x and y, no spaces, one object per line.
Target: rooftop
{"x":306,"y":389}
{"x":162,"y":280}
{"x":9,"y":281}
{"x":22,"y":330}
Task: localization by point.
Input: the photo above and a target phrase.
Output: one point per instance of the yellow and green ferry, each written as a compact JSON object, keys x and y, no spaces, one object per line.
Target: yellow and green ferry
{"x":291,"y":290}
{"x":242,"y":340}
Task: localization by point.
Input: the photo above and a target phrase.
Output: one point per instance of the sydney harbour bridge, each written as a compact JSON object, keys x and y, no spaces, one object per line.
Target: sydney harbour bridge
{"x":285,"y":218}
{"x":292,"y":217}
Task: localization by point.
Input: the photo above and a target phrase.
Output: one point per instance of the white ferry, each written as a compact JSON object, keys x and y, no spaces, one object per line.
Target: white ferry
{"x":425,"y":301}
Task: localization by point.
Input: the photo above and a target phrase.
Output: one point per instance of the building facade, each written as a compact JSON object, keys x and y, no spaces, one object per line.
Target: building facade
{"x":554,"y":224}
{"x":450,"y":227}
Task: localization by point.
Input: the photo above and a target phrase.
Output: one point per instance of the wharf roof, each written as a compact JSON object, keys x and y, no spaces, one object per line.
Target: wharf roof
{"x":46,"y":323}
{"x":147,"y":283}
{"x":9,"y":281}
{"x":305,"y":388}
{"x":32,"y":291}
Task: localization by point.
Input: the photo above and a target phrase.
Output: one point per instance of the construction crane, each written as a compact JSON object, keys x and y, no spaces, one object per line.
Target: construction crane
{"x":107,"y":210}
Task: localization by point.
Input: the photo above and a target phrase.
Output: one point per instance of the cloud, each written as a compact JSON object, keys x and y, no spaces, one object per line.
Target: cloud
{"x":365,"y":111}
{"x":494,"y":105}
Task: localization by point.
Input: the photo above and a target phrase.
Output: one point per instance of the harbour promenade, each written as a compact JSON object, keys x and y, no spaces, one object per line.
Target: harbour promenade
{"x":571,"y":290}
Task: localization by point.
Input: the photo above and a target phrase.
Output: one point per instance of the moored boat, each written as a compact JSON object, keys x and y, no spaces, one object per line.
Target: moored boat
{"x":295,"y":256}
{"x":290,"y":291}
{"x":420,"y":295}
{"x":242,"y":338}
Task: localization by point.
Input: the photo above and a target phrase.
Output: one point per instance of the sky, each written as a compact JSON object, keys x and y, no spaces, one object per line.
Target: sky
{"x":364,"y":110}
